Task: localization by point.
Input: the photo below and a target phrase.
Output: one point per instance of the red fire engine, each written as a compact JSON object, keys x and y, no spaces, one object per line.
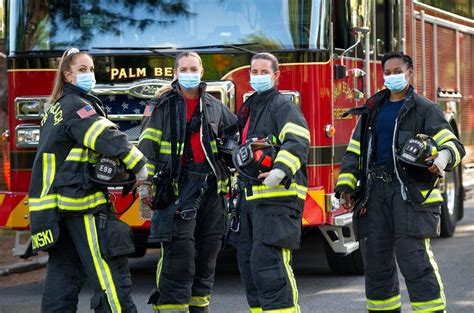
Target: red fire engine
{"x":329,"y":50}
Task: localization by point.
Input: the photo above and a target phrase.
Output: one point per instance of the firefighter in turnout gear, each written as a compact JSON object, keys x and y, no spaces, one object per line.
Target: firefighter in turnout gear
{"x":70,"y":214}
{"x":271,"y":213}
{"x":179,"y":133}
{"x":397,"y":210}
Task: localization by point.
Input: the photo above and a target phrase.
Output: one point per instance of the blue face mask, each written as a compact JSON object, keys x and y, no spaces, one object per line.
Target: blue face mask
{"x":396,"y":82}
{"x":189,"y":81}
{"x":85,"y":81}
{"x":261,"y":83}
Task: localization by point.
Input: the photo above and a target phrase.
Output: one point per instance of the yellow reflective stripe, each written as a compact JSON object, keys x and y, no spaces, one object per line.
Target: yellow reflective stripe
{"x":289,"y":159}
{"x":160,"y":266}
{"x":256,"y":310}
{"x":165,"y":147}
{"x":101,"y":267}
{"x":294,"y":129}
{"x":285,"y":310}
{"x":94,"y":131}
{"x":151,"y":134}
{"x":452,"y":148}
{"x":262,"y":191}
{"x":170,"y":307}
{"x":443,"y":135}
{"x":49,"y":171}
{"x":433,"y":263}
{"x":435,"y":196}
{"x":43,"y":203}
{"x":79,"y":204}
{"x":150,"y":168}
{"x":213,"y":146}
{"x":200,"y":301}
{"x":347,"y":179}
{"x":384,"y":305}
{"x":428,"y":306}
{"x":354,"y":146}
{"x":222,"y":186}
{"x":133,"y":157}
{"x":291,"y":278}
{"x":78,"y":154}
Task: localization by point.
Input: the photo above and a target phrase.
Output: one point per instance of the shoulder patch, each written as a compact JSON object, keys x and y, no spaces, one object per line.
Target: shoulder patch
{"x":148,"y":110}
{"x":86,"y":111}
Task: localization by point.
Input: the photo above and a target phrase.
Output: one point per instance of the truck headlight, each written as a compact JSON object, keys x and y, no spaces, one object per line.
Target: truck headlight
{"x":31,"y":108}
{"x":27,"y":136}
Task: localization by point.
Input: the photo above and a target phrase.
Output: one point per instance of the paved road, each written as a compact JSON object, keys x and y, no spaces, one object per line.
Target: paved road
{"x":320,"y":291}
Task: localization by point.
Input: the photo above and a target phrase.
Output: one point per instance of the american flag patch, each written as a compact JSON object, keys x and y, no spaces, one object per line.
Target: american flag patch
{"x":86,"y":111}
{"x":148,"y":110}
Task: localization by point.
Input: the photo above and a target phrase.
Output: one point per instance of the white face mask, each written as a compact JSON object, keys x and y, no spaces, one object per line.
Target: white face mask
{"x":396,"y":82}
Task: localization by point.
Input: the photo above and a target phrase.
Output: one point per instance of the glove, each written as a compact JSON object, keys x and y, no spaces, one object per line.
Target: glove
{"x":444,"y":157}
{"x":145,"y":194}
{"x":142,"y":174}
{"x":275,"y":178}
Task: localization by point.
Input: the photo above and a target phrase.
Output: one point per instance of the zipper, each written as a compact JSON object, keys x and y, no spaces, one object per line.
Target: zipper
{"x":200,"y":138}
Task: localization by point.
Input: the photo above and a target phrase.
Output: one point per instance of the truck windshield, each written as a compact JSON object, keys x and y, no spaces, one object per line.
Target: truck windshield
{"x":273,"y":24}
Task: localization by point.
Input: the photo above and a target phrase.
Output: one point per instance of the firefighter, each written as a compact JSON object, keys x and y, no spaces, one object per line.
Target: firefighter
{"x":271,"y":210}
{"x":70,"y":214}
{"x":179,"y":132}
{"x":397,"y":208}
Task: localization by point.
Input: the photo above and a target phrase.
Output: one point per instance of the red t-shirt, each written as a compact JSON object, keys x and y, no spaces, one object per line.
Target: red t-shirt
{"x":198,"y":152}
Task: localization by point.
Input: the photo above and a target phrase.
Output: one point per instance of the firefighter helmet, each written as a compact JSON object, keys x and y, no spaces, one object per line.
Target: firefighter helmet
{"x":111,"y":172}
{"x":416,"y":150}
{"x":254,"y":157}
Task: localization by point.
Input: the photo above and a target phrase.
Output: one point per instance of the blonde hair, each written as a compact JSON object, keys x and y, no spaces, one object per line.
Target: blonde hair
{"x":68,"y":58}
{"x":164,"y":89}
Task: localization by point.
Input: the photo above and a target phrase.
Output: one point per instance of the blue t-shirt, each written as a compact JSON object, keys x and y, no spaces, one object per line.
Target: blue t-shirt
{"x":384,"y":130}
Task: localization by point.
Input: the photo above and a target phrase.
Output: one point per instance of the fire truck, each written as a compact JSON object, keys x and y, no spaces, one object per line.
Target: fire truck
{"x":329,"y":51}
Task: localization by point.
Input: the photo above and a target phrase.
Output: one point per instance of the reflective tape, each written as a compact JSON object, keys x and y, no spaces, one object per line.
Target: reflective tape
{"x":262,"y":191}
{"x":49,"y":171}
{"x":95,"y":130}
{"x":435,"y":196}
{"x":354,"y":146}
{"x":132,"y":158}
{"x":165,"y":147}
{"x":289,"y":159}
{"x":43,"y":203}
{"x":214,"y":146}
{"x":384,"y":305}
{"x":200,"y":301}
{"x":150,"y":169}
{"x":347,"y":179}
{"x":256,"y":310}
{"x":223,"y":186}
{"x":80,"y":204}
{"x":102,"y":269}
{"x":292,"y":128}
{"x":171,"y":308}
{"x":443,"y":136}
{"x":151,"y":134}
{"x":291,"y":278}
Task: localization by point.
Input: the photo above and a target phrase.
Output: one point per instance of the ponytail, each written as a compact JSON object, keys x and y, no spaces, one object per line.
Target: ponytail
{"x":64,"y":65}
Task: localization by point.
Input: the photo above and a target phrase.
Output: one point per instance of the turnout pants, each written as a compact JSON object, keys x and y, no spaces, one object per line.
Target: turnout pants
{"x":268,"y":234}
{"x":393,"y":229}
{"x":186,"y":268}
{"x":76,"y":256}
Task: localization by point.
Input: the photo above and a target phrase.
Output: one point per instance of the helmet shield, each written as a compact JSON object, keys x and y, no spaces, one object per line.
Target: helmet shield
{"x":111,"y":172}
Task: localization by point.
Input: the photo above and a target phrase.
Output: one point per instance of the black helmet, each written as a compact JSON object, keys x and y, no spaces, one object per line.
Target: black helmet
{"x":254,"y":157}
{"x":111,"y":172}
{"x":416,"y":150}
